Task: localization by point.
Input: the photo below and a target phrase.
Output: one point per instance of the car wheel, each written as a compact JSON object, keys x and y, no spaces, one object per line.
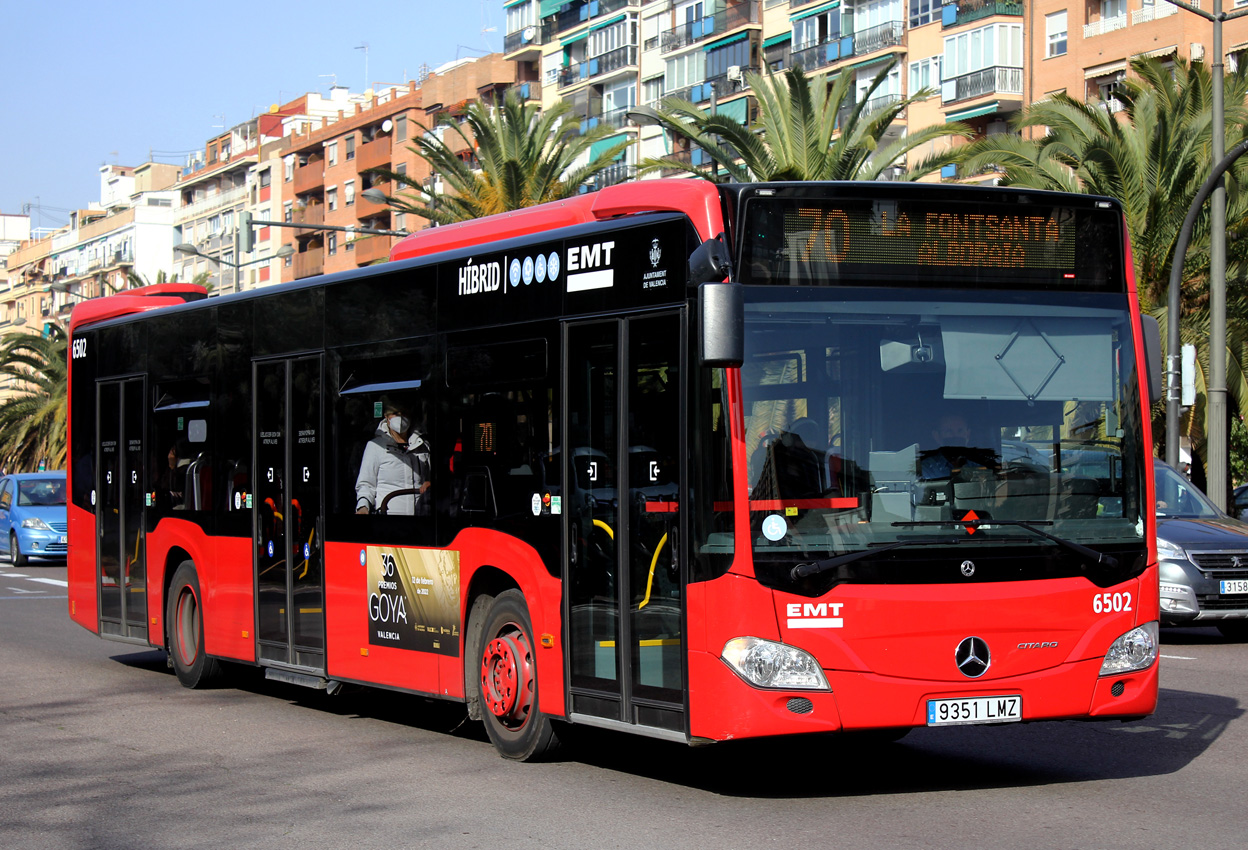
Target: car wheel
{"x":16,"y":558}
{"x":508,"y":682}
{"x":184,"y":624}
{"x":1234,"y":629}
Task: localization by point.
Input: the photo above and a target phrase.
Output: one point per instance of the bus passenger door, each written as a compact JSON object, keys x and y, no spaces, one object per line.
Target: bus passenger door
{"x":290,"y":586}
{"x":624,"y":470}
{"x":119,"y":500}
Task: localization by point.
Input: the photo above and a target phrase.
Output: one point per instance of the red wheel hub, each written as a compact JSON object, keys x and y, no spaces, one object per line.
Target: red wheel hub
{"x":507,"y":678}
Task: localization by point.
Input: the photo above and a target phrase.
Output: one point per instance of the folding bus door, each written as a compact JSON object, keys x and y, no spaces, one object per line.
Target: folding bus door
{"x":119,"y":503}
{"x":290,"y":583}
{"x":624,"y":474}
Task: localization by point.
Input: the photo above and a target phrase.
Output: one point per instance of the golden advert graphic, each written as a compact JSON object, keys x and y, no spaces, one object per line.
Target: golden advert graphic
{"x":413,"y":599}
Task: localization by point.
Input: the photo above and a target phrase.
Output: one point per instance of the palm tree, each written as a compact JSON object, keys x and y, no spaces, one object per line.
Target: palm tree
{"x":1153,"y":162}
{"x":526,"y":157}
{"x":33,"y":417}
{"x":135,"y":280}
{"x":806,"y":130}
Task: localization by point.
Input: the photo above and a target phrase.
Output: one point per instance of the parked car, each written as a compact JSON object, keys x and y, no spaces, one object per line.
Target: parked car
{"x":32,"y":516}
{"x":1204,"y":558}
{"x":1239,"y":502}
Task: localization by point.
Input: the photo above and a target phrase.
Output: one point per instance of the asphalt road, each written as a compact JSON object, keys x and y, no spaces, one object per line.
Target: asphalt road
{"x":101,"y":748}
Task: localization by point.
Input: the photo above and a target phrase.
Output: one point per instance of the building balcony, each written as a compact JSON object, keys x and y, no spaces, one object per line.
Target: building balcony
{"x":720,"y":23}
{"x":616,"y":118}
{"x":309,"y":263}
{"x":966,"y":11}
{"x":370,"y":249}
{"x":881,"y":37}
{"x":812,"y":56}
{"x":374,"y":154}
{"x":1105,"y":25}
{"x":210,"y":204}
{"x":365,"y":208}
{"x":310,"y":177}
{"x":996,"y":80}
{"x":526,"y":45}
{"x":621,"y":172}
{"x":694,"y":156}
{"x":313,"y":214}
{"x":607,"y":63}
{"x":1159,"y":9}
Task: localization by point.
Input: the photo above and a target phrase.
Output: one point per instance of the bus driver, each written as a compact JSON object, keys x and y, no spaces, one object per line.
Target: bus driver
{"x":396,"y":465}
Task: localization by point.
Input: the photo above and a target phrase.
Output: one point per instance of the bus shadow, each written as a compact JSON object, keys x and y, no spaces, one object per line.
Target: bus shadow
{"x":951,"y":759}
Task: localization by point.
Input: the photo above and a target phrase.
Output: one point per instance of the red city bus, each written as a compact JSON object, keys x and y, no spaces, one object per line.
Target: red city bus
{"x":696,"y":462}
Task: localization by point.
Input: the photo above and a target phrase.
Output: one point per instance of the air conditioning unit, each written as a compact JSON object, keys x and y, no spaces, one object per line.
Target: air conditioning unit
{"x":1198,"y":51}
{"x":734,"y":73}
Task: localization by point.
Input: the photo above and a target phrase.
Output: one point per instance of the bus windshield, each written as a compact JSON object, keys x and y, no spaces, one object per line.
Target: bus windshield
{"x":877,"y":416}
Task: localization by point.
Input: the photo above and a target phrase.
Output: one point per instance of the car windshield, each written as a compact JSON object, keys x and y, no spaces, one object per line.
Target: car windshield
{"x":872,"y":416}
{"x":1178,"y":498}
{"x":41,"y":492}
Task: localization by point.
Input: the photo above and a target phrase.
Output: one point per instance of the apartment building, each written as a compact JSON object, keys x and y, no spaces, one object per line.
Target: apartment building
{"x":128,"y":231}
{"x":326,"y":166}
{"x":982,"y":60}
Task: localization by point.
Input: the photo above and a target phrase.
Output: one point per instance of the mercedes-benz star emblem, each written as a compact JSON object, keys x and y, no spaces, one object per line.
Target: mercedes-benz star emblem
{"x":973,"y":657}
{"x":968,"y":568}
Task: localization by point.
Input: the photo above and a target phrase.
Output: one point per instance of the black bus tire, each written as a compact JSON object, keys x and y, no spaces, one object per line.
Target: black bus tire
{"x":507,"y":679}
{"x":184,"y":624}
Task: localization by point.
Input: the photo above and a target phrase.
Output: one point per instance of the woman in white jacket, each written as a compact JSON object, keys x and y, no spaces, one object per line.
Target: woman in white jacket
{"x":396,"y":459}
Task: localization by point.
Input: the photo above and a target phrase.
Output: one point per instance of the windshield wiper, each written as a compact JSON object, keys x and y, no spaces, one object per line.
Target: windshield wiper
{"x":816,"y":567}
{"x":1100,"y":558}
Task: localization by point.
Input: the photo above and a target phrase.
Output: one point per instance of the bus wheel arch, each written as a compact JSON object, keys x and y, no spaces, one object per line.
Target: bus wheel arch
{"x":487,"y":583}
{"x":184,"y":629}
{"x":507,"y":682}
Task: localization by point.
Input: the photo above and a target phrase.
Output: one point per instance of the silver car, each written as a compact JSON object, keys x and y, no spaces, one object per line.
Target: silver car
{"x":1204,"y":558}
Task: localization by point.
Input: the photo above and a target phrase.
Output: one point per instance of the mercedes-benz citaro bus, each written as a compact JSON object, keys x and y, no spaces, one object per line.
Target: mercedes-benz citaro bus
{"x":691,"y":461}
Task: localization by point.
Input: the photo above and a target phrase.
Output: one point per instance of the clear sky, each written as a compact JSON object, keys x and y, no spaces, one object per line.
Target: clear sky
{"x":89,"y":83}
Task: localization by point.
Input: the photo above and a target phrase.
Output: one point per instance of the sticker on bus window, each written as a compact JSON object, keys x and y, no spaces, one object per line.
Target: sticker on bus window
{"x":775,"y":527}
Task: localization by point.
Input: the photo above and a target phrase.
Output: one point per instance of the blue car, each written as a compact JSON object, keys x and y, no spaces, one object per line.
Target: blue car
{"x":32,"y":516}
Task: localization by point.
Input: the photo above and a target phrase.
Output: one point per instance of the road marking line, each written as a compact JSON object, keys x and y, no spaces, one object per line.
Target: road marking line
{"x":15,"y":575}
{"x":1175,"y":657}
{"x":56,"y":581}
{"x":40,"y":596}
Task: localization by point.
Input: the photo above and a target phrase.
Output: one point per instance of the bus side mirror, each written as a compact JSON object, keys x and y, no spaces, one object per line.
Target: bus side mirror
{"x":722,"y":324}
{"x":1152,"y":354}
{"x":709,"y":262}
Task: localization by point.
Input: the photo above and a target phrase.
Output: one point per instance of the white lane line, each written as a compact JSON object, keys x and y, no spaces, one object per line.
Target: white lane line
{"x":1173,"y":657}
{"x":56,"y":581}
{"x":14,"y":575}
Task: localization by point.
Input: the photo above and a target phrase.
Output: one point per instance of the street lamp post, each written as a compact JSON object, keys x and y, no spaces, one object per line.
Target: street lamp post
{"x":190,"y":250}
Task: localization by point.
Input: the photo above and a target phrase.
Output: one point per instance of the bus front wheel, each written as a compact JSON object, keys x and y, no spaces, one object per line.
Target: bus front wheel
{"x":184,"y":622}
{"x":508,"y":682}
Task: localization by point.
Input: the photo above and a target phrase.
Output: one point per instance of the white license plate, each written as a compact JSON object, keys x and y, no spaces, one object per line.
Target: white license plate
{"x":958,"y":712}
{"x":1234,"y":585}
{"x":63,"y":539}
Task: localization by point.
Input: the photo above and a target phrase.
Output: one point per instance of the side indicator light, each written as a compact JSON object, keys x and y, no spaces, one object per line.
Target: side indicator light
{"x":548,"y":641}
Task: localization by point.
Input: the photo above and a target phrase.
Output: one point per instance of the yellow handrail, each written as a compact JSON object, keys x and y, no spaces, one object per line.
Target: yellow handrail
{"x":653,"y":563}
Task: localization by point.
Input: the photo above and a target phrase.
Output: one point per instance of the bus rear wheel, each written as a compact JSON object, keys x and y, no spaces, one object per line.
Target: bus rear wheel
{"x":184,"y":622}
{"x":508,"y":682}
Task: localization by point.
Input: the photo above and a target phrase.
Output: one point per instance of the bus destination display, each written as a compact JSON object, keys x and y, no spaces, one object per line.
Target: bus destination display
{"x":822,"y":241}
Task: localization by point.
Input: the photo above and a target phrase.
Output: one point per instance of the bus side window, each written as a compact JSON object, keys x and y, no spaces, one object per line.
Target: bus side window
{"x":384,"y":456}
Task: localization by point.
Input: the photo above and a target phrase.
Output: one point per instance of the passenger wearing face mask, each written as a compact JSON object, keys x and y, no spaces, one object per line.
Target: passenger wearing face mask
{"x":396,"y":461}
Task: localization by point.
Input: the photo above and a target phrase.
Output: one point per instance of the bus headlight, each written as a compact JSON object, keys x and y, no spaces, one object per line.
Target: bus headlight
{"x":1136,"y":650}
{"x":767,"y":664}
